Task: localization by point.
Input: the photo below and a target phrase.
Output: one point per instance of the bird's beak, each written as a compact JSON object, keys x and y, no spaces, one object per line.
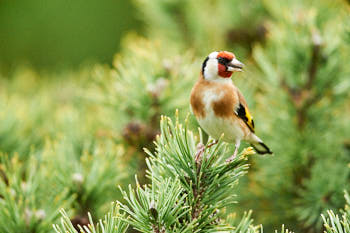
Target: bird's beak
{"x":235,"y":65}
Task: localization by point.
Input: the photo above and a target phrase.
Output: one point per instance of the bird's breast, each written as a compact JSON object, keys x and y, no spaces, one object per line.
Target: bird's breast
{"x":213,"y":107}
{"x":216,"y":126}
{"x":207,"y":96}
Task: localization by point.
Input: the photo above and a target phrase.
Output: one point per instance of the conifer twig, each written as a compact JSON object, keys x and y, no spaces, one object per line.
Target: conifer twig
{"x":303,"y":97}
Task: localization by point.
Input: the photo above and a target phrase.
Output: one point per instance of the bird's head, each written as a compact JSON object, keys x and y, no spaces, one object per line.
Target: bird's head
{"x":220,"y":65}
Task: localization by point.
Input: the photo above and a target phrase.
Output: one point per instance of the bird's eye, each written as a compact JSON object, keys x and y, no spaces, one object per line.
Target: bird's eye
{"x":223,"y":60}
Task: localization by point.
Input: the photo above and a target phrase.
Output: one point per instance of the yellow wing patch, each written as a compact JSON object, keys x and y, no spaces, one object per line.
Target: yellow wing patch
{"x":244,"y":114}
{"x":250,"y":121}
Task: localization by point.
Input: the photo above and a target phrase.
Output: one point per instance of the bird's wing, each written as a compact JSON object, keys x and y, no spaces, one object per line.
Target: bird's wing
{"x":242,"y":112}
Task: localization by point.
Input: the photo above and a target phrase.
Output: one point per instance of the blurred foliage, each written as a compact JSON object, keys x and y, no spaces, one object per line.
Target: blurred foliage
{"x":301,"y":103}
{"x":93,"y":174}
{"x":81,"y":133}
{"x":37,"y":106}
{"x":212,"y":25}
{"x":47,"y":120}
{"x":145,"y":82}
{"x":29,"y":196}
{"x":62,"y":33}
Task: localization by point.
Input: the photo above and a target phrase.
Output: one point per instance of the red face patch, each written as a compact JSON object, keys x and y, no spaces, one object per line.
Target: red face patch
{"x":223,"y":72}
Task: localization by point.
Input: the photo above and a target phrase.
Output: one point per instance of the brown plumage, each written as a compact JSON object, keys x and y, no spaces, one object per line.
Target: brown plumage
{"x":197,"y":97}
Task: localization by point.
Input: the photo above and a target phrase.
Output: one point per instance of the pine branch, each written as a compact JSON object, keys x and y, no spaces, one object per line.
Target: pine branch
{"x":200,"y":190}
{"x":111,"y":223}
{"x":157,"y":208}
{"x":283,"y":230}
{"x":245,"y":224}
{"x":315,"y":57}
{"x":304,"y":97}
{"x":334,"y":223}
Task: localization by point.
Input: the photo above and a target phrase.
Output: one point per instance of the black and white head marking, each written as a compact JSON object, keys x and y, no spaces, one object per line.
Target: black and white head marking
{"x":210,"y":67}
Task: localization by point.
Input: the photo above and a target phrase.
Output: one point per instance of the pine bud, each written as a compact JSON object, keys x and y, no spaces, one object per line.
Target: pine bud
{"x":153,"y":210}
{"x":156,"y":88}
{"x":316,"y":38}
{"x":27,"y":215}
{"x":248,"y":151}
{"x":78,"y":178}
{"x":13,"y":192}
{"x":167,"y":64}
{"x":24,"y":186}
{"x":40,"y":214}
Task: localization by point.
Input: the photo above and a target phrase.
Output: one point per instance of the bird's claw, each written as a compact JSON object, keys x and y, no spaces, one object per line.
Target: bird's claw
{"x":229,"y":160}
{"x":212,"y":144}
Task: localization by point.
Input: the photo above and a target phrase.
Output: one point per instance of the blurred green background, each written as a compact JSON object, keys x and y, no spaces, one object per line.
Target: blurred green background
{"x":83,"y":85}
{"x":62,"y":33}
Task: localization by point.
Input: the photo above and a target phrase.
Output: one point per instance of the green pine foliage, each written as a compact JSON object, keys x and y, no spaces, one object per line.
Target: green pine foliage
{"x":53,"y":146}
{"x":185,"y":194}
{"x":111,"y":223}
{"x":297,"y":82}
{"x":205,"y":27}
{"x":29,"y":197}
{"x":37,"y":106}
{"x":304,"y":95}
{"x":333,"y":223}
{"x":158,"y":207}
{"x":156,"y":82}
{"x":91,"y":177}
{"x":204,"y":184}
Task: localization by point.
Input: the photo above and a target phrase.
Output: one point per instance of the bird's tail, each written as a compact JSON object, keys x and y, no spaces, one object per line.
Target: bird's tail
{"x":260,"y":146}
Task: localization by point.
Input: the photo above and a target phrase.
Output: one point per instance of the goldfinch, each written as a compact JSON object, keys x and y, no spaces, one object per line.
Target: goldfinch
{"x":220,"y":107}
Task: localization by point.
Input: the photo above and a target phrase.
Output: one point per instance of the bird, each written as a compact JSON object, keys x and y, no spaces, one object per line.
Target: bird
{"x":219,"y":106}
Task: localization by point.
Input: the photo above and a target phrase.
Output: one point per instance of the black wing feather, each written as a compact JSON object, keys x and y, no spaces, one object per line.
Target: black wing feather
{"x":245,"y":116}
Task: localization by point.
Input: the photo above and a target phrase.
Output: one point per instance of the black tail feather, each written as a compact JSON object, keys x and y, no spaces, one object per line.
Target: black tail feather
{"x":261,"y":148}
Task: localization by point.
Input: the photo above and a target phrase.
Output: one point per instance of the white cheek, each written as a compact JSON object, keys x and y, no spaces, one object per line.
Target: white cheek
{"x":211,"y":72}
{"x":211,"y":69}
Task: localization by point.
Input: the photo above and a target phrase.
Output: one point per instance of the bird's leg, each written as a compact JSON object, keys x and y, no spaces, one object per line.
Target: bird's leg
{"x":238,"y":143}
{"x":200,"y":151}
{"x":212,"y":144}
